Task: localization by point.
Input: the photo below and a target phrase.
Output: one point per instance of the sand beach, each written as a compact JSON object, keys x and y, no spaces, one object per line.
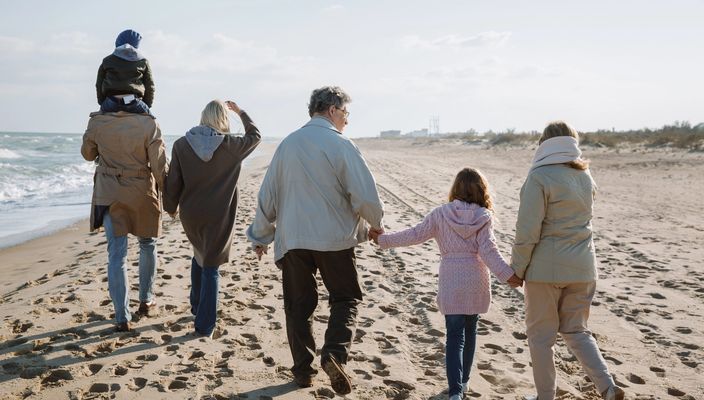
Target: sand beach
{"x":57,"y":339}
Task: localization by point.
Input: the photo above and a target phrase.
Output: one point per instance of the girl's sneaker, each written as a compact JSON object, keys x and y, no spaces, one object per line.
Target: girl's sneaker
{"x":456,"y":397}
{"x":465,"y":387}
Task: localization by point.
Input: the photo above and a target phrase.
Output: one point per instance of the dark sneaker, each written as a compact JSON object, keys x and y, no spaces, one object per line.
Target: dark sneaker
{"x":147,"y":309}
{"x":303,"y":381}
{"x":339,"y":380}
{"x":123,"y":327}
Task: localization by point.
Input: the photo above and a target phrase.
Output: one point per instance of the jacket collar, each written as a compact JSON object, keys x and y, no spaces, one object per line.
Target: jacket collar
{"x":323,"y":123}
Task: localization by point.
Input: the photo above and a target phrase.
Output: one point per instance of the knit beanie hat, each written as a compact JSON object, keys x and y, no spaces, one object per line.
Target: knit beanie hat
{"x":128,"y":36}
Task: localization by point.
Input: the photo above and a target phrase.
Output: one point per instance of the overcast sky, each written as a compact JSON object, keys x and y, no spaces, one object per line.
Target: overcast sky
{"x":474,"y":64}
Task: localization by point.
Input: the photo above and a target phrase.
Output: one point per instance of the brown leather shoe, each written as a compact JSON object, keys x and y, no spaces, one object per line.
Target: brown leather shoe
{"x":147,"y":309}
{"x":303,"y":381}
{"x":123,"y":327}
{"x":339,"y":380}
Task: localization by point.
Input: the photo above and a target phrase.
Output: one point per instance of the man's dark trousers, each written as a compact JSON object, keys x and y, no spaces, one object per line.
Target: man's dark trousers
{"x":339,"y":272}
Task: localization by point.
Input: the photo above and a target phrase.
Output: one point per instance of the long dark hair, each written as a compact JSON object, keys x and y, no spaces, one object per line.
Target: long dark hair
{"x":470,"y":186}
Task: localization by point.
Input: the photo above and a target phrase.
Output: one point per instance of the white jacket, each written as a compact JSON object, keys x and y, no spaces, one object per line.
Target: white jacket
{"x":315,"y":194}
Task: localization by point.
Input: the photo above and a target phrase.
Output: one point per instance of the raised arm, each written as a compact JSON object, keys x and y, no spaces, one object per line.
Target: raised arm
{"x":418,"y":234}
{"x":529,"y":223}
{"x":245,"y":145}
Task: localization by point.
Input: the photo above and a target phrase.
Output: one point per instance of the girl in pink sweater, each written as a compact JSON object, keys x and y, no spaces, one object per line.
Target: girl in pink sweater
{"x":463,"y":231}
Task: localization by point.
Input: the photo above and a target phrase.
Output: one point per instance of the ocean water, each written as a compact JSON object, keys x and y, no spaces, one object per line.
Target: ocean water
{"x":45,"y":184}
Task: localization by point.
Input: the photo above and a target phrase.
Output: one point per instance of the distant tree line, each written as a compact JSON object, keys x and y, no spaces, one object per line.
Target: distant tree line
{"x":680,"y":134}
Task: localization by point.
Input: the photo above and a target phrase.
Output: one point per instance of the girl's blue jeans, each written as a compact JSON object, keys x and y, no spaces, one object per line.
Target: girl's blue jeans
{"x":459,"y":349}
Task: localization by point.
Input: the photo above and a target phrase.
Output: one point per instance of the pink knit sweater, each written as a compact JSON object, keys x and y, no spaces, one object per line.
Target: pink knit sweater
{"x":465,"y":237}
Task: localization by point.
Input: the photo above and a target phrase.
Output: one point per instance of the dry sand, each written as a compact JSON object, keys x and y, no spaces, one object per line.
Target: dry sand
{"x":57,"y":338}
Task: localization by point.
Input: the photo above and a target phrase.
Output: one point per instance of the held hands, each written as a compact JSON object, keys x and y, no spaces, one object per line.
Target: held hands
{"x":374,"y":234}
{"x":233,"y":106}
{"x":514,"y":281}
{"x":260,"y":250}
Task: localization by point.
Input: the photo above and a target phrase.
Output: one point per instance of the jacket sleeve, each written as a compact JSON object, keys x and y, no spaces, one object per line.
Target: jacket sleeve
{"x":418,"y":234}
{"x":89,"y":149}
{"x":148,"y":85}
{"x":156,"y":152}
{"x":244,"y":146}
{"x":489,"y":253}
{"x":173,"y":185}
{"x":263,"y":229}
{"x":358,"y":182}
{"x":531,"y":212}
{"x":99,"y":84}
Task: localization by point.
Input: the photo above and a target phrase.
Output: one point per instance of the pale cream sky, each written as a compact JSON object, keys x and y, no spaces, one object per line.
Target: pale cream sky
{"x":475,"y":64}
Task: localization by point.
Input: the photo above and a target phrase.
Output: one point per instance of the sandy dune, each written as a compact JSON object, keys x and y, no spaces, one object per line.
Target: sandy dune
{"x":57,"y":339}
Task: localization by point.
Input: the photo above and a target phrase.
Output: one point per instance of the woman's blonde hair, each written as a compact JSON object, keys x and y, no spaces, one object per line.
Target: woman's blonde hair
{"x":561,"y":128}
{"x":470,"y":186}
{"x":215,"y":116}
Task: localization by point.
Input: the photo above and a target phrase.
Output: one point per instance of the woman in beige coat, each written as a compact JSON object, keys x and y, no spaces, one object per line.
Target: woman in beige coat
{"x":554,"y":254}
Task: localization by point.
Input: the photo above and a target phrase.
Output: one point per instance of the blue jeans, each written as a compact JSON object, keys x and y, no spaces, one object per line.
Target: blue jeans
{"x":204,"y":296}
{"x":113,"y":104}
{"x":459,"y":349}
{"x":117,"y":270}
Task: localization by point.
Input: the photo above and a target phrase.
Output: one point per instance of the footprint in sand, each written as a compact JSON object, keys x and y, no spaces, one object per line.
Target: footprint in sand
{"x":137,"y":384}
{"x":633,"y":378}
{"x":659,"y":372}
{"x":179,"y":383}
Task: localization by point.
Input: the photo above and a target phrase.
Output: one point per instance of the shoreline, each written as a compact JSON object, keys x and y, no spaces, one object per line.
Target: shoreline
{"x":33,"y":258}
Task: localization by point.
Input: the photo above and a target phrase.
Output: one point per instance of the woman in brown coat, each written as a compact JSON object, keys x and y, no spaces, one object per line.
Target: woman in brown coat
{"x":202,"y":184}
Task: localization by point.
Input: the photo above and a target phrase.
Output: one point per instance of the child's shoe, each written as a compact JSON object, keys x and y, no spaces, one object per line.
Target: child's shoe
{"x":456,"y":397}
{"x":465,"y":387}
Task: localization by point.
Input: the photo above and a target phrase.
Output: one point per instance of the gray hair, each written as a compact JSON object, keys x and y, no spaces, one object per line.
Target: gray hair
{"x":321,"y":99}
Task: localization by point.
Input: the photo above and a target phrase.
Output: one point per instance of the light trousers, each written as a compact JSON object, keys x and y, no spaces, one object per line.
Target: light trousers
{"x":563,"y":308}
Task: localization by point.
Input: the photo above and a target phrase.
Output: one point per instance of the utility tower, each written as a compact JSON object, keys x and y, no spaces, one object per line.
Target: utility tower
{"x":434,"y":125}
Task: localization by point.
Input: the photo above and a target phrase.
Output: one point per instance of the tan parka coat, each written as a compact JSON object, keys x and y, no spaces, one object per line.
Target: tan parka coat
{"x":554,"y":242}
{"x":130,"y":172}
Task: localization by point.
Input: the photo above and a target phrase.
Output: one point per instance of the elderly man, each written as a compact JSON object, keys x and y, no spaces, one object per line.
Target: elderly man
{"x":315,"y":194}
{"x":131,"y":169}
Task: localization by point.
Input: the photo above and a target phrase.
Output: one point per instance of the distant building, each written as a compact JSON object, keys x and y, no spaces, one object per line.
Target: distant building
{"x":418,"y":133}
{"x":390,"y":134}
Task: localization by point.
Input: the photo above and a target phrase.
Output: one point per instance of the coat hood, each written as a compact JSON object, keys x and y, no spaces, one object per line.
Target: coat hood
{"x":465,"y":218}
{"x":127,"y":52}
{"x":204,"y":140}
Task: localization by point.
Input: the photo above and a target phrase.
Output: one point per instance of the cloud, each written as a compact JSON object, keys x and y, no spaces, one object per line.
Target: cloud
{"x":480,"y":40}
{"x":220,"y":53}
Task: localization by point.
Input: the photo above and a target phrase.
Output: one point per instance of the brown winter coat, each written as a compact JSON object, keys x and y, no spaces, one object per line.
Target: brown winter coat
{"x":205,"y":192}
{"x":130,"y":172}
